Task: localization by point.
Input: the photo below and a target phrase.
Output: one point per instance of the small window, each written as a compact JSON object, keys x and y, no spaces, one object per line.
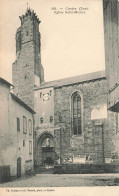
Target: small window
{"x":18,"y":124}
{"x":117,"y":124}
{"x":23,"y":142}
{"x":41,"y":120}
{"x":60,"y":118}
{"x":27,"y":33}
{"x":40,"y":94}
{"x":30,"y":127}
{"x":30,"y":147}
{"x":51,"y":119}
{"x":24,"y":125}
{"x":50,"y":92}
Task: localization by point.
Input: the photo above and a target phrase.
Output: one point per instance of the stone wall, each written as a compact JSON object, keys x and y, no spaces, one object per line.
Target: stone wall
{"x":44,"y":108}
{"x":98,"y":138}
{"x":23,"y":75}
{"x":11,"y":144}
{"x":22,"y":150}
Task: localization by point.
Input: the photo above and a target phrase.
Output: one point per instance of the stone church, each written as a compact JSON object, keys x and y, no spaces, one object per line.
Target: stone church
{"x":71,"y":124}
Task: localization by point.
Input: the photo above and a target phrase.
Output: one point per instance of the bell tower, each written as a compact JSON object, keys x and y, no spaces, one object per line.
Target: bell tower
{"x":27,"y":70}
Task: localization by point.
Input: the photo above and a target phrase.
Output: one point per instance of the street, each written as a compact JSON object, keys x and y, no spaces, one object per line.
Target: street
{"x":65,"y":180}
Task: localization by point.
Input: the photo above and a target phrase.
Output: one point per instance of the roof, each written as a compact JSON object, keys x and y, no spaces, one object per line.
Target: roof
{"x":73,"y":80}
{"x":22,"y":103}
{"x":5,"y":82}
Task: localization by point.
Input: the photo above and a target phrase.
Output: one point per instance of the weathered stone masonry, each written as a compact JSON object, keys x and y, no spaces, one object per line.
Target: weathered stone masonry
{"x":91,"y":141}
{"x":54,"y":99}
{"x":28,"y":62}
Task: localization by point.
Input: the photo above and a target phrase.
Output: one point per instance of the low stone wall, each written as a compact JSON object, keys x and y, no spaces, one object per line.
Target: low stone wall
{"x":86,"y":168}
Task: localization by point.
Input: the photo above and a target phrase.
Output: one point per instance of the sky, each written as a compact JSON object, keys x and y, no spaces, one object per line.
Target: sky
{"x":71,"y":44}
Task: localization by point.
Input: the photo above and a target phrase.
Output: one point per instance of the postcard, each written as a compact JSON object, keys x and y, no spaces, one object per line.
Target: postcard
{"x":57,"y":134}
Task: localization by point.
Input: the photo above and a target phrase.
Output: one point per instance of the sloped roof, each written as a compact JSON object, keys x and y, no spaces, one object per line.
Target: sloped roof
{"x":15,"y":97}
{"x":5,"y":82}
{"x":73,"y":80}
{"x":22,"y":103}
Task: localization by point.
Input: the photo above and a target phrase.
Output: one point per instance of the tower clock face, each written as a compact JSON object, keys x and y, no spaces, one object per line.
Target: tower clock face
{"x":45,"y":97}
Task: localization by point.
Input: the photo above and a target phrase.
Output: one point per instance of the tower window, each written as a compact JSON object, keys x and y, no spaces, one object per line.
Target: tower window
{"x":41,"y":120}
{"x":18,"y":42}
{"x":76,"y":113}
{"x":50,"y":92}
{"x":26,"y":65}
{"x":27,"y":33}
{"x":40,"y":94}
{"x":51,"y":119}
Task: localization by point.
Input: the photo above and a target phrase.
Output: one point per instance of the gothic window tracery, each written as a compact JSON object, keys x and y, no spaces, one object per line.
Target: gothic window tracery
{"x":76,"y":113}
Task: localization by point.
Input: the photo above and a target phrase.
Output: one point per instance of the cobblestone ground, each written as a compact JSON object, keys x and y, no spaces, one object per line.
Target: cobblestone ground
{"x":63,"y":180}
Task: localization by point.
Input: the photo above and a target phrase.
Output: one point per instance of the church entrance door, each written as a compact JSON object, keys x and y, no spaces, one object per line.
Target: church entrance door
{"x":45,"y":154}
{"x":46,"y":150}
{"x":48,"y":155}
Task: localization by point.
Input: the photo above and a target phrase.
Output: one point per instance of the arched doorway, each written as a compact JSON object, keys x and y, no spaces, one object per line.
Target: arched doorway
{"x":46,"y":149}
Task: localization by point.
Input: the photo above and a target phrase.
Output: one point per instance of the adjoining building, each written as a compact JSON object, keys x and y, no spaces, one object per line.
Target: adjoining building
{"x":111,"y":38}
{"x":16,"y":133}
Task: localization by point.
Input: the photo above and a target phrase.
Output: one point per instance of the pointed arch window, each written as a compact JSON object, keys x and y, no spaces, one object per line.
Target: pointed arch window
{"x":76,"y":113}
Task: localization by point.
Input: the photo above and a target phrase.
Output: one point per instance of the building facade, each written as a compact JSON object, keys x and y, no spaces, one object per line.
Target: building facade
{"x":16,"y":129}
{"x":71,"y":123}
{"x":72,"y":115}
